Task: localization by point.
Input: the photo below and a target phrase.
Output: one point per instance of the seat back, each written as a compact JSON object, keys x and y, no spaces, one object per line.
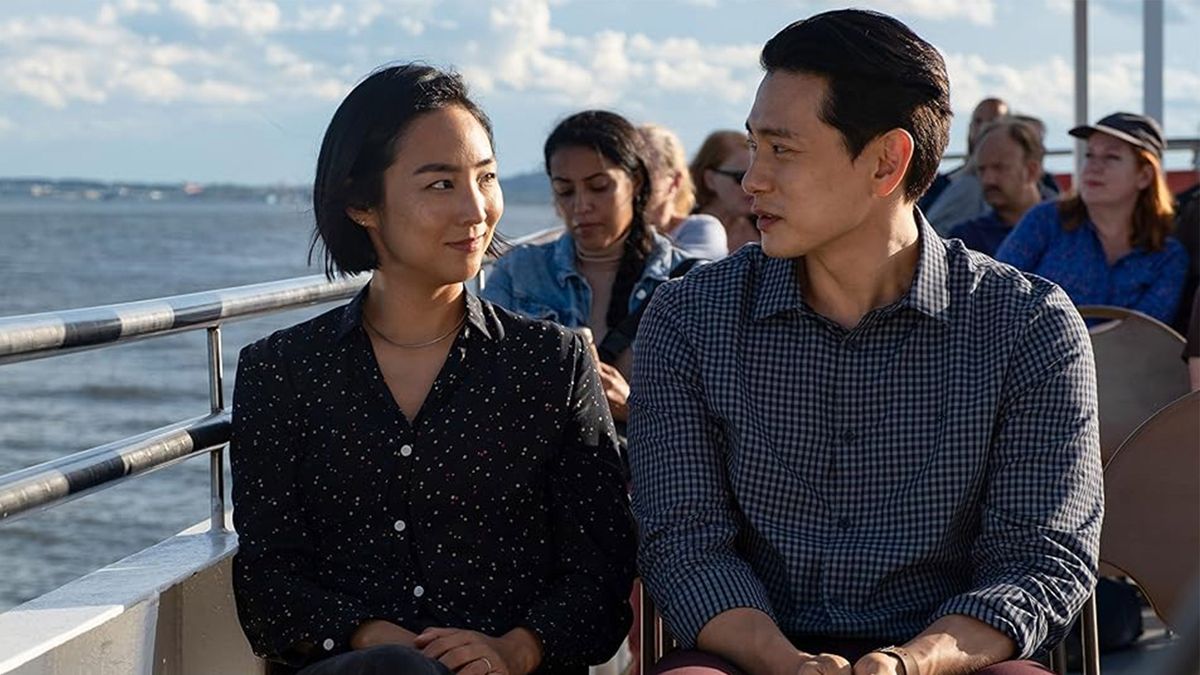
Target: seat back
{"x":1152,"y":507}
{"x":1138,"y":370}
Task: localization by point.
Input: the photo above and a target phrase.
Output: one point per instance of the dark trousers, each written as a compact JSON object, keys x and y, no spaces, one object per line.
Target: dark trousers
{"x":382,"y":660}
{"x":695,"y":662}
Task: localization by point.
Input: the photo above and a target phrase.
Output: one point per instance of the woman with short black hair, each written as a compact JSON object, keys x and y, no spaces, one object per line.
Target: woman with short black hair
{"x":423,"y":482}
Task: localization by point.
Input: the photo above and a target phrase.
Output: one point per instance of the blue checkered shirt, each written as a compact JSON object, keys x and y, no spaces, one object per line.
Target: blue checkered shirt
{"x":940,"y":458}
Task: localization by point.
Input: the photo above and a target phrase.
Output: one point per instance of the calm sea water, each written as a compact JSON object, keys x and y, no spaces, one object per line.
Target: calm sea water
{"x":65,"y":255}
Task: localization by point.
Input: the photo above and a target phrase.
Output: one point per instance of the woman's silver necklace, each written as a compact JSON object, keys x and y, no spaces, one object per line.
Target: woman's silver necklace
{"x":415,"y":345}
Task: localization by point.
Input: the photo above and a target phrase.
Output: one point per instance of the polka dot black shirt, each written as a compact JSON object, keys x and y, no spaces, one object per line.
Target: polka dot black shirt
{"x":501,"y":505}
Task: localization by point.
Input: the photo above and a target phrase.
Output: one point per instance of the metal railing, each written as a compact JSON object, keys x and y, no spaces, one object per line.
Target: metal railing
{"x":36,"y":336}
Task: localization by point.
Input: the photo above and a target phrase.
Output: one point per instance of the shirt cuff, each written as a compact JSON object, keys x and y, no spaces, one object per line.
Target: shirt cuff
{"x":1008,"y":609}
{"x":689,"y":601}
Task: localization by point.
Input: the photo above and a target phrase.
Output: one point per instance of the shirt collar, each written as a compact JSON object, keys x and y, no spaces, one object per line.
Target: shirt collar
{"x":778,"y":288}
{"x":352,"y":315}
{"x":929,"y":293}
{"x":930,"y":290}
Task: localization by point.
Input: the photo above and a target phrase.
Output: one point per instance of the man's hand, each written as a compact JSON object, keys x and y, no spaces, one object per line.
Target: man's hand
{"x":379,"y":632}
{"x":877,"y":664}
{"x":824,"y":664}
{"x":467,"y":652}
{"x":616,"y":390}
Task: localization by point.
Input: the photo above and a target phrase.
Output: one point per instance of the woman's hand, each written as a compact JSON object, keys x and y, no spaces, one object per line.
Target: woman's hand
{"x":379,"y":632}
{"x":467,"y":652}
{"x":616,"y":390}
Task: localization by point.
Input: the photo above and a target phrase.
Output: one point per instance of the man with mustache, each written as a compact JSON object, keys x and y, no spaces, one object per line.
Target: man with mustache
{"x":1008,"y":160}
{"x":860,"y":448}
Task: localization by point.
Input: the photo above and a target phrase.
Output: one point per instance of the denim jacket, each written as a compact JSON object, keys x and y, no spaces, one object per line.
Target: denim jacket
{"x":540,"y":280}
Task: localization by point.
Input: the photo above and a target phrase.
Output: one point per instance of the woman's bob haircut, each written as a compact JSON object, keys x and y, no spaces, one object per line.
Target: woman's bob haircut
{"x":359,"y":146}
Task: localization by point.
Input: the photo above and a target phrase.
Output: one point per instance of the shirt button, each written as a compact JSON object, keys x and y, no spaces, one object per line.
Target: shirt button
{"x":399,"y":525}
{"x":418,"y":591}
{"x":845,"y":523}
{"x":849,"y":436}
{"x":406,"y":450}
{"x":327,"y":644}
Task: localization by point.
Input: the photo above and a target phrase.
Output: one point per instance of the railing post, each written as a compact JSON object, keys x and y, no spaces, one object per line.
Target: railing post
{"x":216,"y":397}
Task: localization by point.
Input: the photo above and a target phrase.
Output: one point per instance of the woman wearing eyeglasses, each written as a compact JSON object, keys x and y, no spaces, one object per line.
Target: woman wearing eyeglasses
{"x":717,"y":172}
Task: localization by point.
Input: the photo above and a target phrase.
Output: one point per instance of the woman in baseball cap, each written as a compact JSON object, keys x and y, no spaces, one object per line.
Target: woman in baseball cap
{"x":1108,"y":242}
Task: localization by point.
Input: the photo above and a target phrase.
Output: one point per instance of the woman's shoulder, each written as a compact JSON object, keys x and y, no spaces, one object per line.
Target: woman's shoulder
{"x":542,"y":253}
{"x":1044,"y":214}
{"x":299,"y":341}
{"x":521,"y":331}
{"x":702,"y":236}
{"x":1173,"y":249}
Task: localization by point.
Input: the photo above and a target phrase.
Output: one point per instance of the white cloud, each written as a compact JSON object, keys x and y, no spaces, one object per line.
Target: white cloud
{"x":978,"y":12}
{"x":605,"y":68}
{"x":1043,"y":89}
{"x":1046,"y":89}
{"x":250,"y":16}
{"x":1061,"y":7}
{"x":6,"y":125}
{"x":58,"y":61}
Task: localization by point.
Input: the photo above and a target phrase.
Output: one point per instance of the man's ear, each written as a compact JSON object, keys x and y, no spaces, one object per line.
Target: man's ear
{"x":891,"y":155}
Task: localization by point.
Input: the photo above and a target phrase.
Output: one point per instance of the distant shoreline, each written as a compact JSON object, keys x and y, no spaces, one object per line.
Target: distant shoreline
{"x":530,"y":188}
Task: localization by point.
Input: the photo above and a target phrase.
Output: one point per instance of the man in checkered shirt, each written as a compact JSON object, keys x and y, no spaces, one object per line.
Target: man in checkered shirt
{"x":860,"y":447}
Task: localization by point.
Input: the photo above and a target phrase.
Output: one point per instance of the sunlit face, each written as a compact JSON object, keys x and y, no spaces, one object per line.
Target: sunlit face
{"x":1004,"y":174}
{"x":664,"y":186}
{"x":441,"y":200}
{"x":729,"y":199}
{"x":593,"y":196}
{"x":807,"y":192}
{"x":1112,"y":173}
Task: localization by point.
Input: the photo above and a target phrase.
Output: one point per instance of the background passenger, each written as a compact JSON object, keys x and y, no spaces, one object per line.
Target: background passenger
{"x":717,"y":170}
{"x":600,"y":274}
{"x":1187,"y":231}
{"x":956,"y":196}
{"x":1008,"y":161}
{"x":673,"y":196}
{"x":1109,"y":243}
{"x":1192,"y":351}
{"x":1046,"y":183}
{"x":423,"y":482}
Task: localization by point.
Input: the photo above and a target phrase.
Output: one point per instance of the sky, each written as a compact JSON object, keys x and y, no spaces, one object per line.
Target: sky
{"x":241,"y":90}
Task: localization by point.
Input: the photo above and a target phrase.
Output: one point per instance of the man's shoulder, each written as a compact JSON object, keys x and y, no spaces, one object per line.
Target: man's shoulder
{"x":720,"y":279}
{"x":994,"y":289}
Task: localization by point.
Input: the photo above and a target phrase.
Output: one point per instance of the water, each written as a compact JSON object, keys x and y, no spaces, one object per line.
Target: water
{"x":61,"y":255}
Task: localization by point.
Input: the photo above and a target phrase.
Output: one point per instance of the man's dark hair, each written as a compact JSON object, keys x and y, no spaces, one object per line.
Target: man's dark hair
{"x":359,"y":146}
{"x":880,"y":75}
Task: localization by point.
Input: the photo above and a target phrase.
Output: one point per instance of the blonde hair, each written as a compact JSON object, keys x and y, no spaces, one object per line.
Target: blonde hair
{"x":1153,"y":215}
{"x":664,"y":155}
{"x":711,"y":154}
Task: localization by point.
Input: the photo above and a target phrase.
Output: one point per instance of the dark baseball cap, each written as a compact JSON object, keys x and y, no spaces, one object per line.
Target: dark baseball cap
{"x":1139,"y":130}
